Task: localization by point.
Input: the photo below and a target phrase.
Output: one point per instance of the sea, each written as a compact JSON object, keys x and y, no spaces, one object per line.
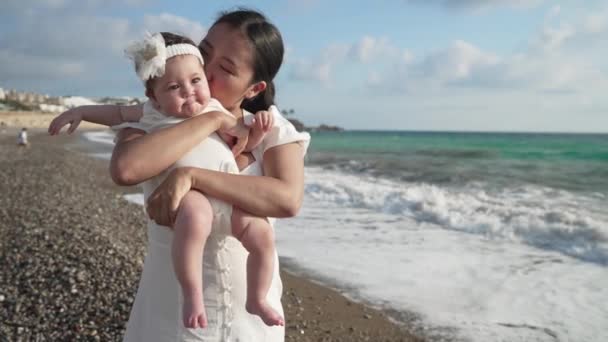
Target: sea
{"x":464,"y":236}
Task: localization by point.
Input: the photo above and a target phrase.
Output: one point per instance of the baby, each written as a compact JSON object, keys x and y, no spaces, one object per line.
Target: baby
{"x":171,"y":67}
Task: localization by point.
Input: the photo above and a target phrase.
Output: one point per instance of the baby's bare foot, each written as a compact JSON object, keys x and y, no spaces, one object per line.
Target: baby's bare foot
{"x":193,"y":312}
{"x":265,"y":311}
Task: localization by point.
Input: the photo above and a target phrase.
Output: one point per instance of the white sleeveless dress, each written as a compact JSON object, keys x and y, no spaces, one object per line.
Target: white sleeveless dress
{"x":156,"y":312}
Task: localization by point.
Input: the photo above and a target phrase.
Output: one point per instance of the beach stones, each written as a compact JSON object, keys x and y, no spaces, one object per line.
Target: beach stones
{"x":69,"y":267}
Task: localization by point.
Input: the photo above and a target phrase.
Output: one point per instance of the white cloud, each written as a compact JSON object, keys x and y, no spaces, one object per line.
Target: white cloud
{"x":309,"y":71}
{"x":68,"y":49}
{"x":72,"y":6}
{"x":27,"y":66}
{"x":76,"y":36}
{"x":407,"y":57}
{"x":479,"y":4}
{"x":374,"y":79}
{"x":457,"y":62}
{"x":596,"y":23}
{"x":364,"y":50}
{"x":318,"y":69}
{"x":371,"y":48}
{"x":334,"y":53}
{"x":559,"y":59}
{"x":553,"y":12}
{"x":553,"y":38}
{"x":176,"y":24}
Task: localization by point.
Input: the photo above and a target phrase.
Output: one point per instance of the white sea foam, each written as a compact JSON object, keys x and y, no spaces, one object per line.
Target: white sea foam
{"x":101,"y":137}
{"x":453,"y":257}
{"x":542,"y":217}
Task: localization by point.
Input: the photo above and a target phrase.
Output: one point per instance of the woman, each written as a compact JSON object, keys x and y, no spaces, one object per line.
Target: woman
{"x":243,"y":53}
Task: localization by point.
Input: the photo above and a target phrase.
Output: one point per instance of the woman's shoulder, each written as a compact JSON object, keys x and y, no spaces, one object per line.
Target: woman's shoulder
{"x":284,"y":132}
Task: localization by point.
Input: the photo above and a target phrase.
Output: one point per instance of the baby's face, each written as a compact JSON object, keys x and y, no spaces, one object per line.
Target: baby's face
{"x":183,"y":90}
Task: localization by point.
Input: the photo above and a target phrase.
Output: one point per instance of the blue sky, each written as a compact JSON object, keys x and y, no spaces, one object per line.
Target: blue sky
{"x":474,"y":65}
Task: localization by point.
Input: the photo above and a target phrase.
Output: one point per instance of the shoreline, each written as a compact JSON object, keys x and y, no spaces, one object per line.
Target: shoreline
{"x":314,"y":312}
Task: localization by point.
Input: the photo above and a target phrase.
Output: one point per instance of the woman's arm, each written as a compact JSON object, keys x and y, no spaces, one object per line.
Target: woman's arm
{"x":138,"y":156}
{"x":277,"y":194}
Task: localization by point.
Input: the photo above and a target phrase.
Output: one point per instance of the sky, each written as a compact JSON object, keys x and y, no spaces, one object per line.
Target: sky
{"x":455,"y":65}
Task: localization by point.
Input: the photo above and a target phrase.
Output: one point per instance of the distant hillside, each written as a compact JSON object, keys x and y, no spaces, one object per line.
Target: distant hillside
{"x":289,"y":114}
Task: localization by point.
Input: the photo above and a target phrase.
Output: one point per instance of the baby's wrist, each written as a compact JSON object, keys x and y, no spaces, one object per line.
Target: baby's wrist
{"x":77,"y":112}
{"x":219,"y":120}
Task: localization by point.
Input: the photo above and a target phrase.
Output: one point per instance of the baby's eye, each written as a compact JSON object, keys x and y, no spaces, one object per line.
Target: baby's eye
{"x":174,"y":87}
{"x":196,"y":80}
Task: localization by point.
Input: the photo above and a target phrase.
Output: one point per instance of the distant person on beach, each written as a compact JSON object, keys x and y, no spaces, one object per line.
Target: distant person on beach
{"x":243,"y":52}
{"x":171,"y":67}
{"x":22,"y":138}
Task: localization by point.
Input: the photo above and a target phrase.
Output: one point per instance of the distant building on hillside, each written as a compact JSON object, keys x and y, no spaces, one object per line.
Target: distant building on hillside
{"x":23,"y":100}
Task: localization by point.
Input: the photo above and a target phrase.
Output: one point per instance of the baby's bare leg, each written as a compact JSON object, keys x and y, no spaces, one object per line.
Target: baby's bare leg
{"x":192,"y":227}
{"x":256,"y":235}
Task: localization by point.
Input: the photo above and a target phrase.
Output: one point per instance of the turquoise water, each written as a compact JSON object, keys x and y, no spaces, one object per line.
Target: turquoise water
{"x":577,"y":162}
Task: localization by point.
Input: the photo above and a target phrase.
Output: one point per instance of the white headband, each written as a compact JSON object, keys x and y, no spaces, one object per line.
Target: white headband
{"x":151,"y":54}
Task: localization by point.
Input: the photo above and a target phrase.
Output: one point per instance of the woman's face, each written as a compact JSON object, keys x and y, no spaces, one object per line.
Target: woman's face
{"x":228,"y":59}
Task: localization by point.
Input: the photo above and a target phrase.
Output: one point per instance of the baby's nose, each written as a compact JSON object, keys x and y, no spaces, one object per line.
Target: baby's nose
{"x":186,"y":91}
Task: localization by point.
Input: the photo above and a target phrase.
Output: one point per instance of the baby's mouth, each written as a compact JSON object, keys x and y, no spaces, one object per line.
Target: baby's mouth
{"x":190,"y":105}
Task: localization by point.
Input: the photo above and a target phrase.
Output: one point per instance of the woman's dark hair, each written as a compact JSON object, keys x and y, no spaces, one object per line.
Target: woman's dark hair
{"x":170,"y":39}
{"x":267,"y":52}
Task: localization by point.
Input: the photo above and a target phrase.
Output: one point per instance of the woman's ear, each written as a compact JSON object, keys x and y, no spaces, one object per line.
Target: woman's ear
{"x":255,"y":89}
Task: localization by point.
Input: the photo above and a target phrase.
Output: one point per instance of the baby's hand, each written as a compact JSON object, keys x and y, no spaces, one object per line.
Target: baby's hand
{"x":262,"y":121}
{"x":72,"y":117}
{"x":260,"y":125}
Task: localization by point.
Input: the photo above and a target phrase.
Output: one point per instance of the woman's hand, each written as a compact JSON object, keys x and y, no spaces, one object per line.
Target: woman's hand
{"x":240,"y":136}
{"x":163,"y":203}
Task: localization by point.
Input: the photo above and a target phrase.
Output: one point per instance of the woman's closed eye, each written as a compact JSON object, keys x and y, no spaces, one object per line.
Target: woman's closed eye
{"x":227,"y":70}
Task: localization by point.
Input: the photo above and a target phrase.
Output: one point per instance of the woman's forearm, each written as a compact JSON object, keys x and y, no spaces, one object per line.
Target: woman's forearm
{"x":259,"y":195}
{"x":278,"y":194}
{"x":136,"y":160}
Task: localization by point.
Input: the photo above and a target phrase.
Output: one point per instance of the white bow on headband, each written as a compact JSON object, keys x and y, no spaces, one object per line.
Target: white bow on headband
{"x":150,"y":55}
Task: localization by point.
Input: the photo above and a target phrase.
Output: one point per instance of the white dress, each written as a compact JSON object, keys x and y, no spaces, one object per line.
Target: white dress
{"x":156,"y":312}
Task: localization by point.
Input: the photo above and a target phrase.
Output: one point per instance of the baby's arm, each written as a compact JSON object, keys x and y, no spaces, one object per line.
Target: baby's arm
{"x":108,"y":115}
{"x":261,"y":124}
